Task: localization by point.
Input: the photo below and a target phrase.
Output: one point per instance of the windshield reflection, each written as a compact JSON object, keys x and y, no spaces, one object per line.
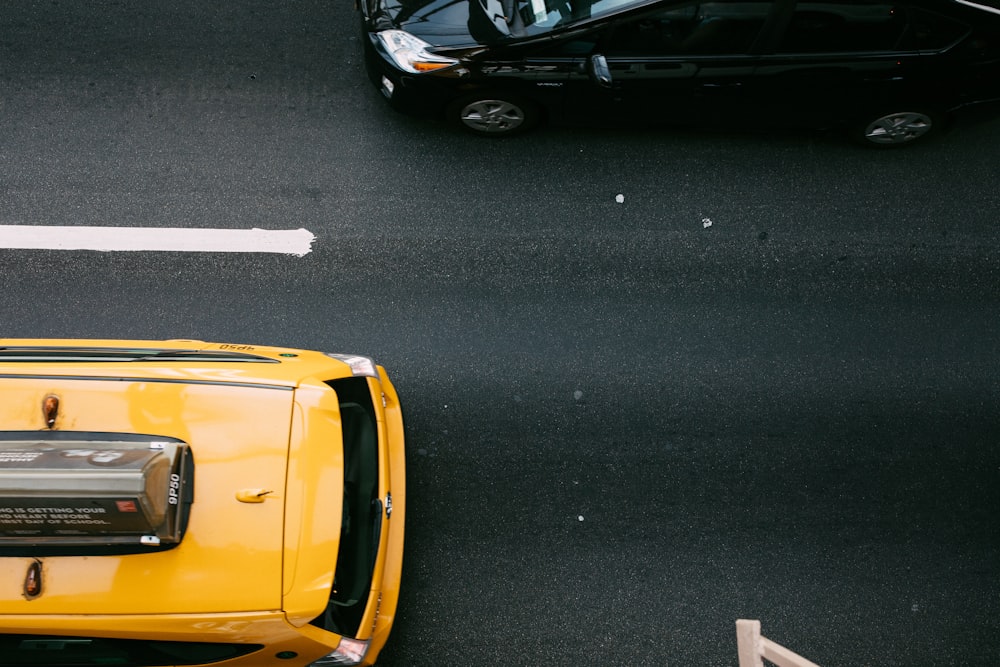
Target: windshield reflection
{"x":523,"y":18}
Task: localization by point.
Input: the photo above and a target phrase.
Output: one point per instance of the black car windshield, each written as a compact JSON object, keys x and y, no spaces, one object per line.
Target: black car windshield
{"x":490,"y":21}
{"x":550,"y":13}
{"x":532,"y":17}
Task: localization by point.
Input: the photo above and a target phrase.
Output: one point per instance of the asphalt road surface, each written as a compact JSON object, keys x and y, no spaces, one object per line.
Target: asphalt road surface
{"x":654,"y":381}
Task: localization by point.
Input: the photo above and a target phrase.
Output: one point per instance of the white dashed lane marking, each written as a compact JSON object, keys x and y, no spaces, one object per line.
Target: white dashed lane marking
{"x":106,"y":239}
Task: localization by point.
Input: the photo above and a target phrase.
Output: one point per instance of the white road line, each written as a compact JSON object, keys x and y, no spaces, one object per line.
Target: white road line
{"x":40,"y":237}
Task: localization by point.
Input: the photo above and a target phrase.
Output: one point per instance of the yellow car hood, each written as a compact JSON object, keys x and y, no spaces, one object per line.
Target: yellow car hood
{"x":230,"y":559}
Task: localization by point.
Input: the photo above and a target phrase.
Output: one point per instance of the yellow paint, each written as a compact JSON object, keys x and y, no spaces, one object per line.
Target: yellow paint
{"x":256,"y":562}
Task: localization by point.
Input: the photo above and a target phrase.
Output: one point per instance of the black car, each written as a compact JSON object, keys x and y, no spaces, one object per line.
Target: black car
{"x":890,"y":73}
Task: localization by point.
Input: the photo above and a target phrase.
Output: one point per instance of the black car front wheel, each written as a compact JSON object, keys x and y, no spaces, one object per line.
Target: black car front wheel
{"x":899,"y":128}
{"x":495,"y":115}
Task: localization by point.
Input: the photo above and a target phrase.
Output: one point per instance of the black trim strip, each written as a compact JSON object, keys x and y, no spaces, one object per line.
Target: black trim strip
{"x":61,"y":353}
{"x":226,"y":383}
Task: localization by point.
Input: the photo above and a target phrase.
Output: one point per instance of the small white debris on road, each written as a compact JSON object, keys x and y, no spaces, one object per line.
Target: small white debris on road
{"x":706,"y":223}
{"x":620,"y":199}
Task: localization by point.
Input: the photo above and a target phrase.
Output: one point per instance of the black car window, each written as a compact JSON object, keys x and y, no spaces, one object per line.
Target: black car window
{"x":526,"y":18}
{"x":67,"y":651}
{"x":933,"y":32}
{"x":843,"y":26}
{"x":710,"y":28}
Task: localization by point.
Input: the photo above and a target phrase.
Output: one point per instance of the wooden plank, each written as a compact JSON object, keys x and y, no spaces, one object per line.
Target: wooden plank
{"x":781,"y":656}
{"x":748,"y":643}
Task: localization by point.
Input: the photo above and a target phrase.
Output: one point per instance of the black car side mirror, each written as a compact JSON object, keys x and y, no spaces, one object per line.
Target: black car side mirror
{"x":599,"y":71}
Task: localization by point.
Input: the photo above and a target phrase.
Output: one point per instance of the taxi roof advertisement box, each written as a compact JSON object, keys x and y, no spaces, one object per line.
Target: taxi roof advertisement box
{"x":92,"y":492}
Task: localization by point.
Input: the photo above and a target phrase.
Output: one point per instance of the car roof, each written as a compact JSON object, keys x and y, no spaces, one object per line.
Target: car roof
{"x":235,"y":406}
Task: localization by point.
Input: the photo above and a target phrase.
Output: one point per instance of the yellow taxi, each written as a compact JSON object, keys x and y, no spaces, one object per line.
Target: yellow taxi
{"x":189,"y":503}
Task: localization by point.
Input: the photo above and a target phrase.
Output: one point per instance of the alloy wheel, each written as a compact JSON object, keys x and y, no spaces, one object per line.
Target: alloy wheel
{"x":492,"y":116}
{"x":898,"y":128}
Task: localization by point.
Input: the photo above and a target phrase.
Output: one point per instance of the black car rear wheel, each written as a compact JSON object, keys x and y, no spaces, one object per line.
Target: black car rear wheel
{"x":495,"y":115}
{"x":899,"y":128}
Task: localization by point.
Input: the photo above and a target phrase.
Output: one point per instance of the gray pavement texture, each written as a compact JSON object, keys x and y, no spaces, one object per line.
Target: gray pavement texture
{"x":627,"y":427}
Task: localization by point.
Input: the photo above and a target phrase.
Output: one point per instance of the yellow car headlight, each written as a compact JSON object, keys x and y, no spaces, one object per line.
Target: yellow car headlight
{"x":360,"y":366}
{"x":348,"y":652}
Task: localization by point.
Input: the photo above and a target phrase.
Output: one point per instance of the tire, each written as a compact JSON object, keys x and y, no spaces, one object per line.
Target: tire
{"x":898,"y":128}
{"x":498,"y":115}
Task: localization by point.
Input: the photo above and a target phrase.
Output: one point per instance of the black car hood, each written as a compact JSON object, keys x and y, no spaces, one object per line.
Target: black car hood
{"x":445,"y":23}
